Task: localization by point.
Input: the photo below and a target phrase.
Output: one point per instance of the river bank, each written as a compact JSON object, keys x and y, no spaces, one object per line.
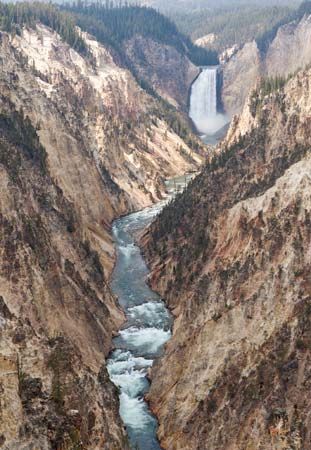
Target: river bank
{"x":147,"y":327}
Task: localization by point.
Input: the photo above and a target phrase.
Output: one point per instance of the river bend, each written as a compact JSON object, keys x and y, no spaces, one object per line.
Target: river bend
{"x":147,"y":329}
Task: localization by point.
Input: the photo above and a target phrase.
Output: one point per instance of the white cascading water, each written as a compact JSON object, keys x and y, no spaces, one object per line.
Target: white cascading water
{"x":146,"y":330}
{"x":203,"y":102}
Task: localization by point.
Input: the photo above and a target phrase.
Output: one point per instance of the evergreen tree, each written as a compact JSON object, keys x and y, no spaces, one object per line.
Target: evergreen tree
{"x":114,"y":23}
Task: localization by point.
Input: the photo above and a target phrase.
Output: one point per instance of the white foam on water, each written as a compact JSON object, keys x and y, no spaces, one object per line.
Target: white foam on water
{"x":145,"y":340}
{"x":120,"y":355}
{"x":134,"y":412}
{"x":132,"y":382}
{"x":146,"y":334}
{"x":129,"y":372}
{"x":145,"y":215}
{"x":127,"y":250}
{"x":151,"y":313}
{"x":119,"y":366}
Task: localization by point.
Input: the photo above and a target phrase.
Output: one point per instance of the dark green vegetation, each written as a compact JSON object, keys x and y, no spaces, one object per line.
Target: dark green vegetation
{"x":266,"y":87}
{"x":13,"y":16}
{"x":18,"y":130}
{"x":112,"y":25}
{"x":179,"y":125}
{"x":109,"y":24}
{"x":272,"y":84}
{"x":186,"y":224}
{"x":27,"y":243}
{"x":199,"y":5}
{"x":234,"y":25}
{"x":232,"y":21}
{"x":296,"y":15}
{"x":239,"y":22}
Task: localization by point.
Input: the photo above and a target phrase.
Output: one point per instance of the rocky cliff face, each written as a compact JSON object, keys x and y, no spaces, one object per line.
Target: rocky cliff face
{"x":56,"y":312}
{"x":239,"y":77}
{"x":100,"y":129}
{"x":80,"y":144}
{"x":167,"y":71}
{"x":232,"y":257}
{"x":291,"y":48}
{"x":289,"y":51}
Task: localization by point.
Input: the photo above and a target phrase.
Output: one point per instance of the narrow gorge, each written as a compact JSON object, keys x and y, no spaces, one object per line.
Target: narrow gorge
{"x":147,"y":329}
{"x":82,"y":143}
{"x":148,"y":326}
{"x":155,"y":231}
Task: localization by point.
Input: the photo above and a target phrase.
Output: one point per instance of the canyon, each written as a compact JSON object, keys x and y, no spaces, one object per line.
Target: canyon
{"x":231,"y":256}
{"x":81,"y":144}
{"x":289,"y":51}
{"x":169,"y":73}
{"x":91,"y":129}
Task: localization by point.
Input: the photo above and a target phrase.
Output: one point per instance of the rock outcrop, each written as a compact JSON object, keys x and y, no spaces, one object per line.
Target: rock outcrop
{"x":100,"y":129}
{"x":289,"y":51}
{"x":239,"y":76}
{"x":232,"y":258}
{"x":291,"y":48}
{"x":56,"y":312}
{"x":207,"y":40}
{"x":167,"y":71}
{"x":80,"y":144}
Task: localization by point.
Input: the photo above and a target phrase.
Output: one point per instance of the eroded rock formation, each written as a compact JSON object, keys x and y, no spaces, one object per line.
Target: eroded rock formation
{"x":167,"y":71}
{"x":232,"y":258}
{"x":289,"y":51}
{"x":80,"y":144}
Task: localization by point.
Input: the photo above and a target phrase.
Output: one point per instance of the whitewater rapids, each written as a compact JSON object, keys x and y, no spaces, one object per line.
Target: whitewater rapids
{"x":147,"y":329}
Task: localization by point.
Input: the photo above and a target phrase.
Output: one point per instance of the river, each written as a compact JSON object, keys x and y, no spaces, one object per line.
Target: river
{"x":147,"y":328}
{"x":148,"y":324}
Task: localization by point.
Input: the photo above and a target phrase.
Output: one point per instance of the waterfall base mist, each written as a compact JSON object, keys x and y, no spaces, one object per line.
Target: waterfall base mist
{"x":210,"y":125}
{"x":203,"y":103}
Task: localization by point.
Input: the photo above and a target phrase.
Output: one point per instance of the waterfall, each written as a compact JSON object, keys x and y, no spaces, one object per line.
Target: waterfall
{"x":203,"y":102}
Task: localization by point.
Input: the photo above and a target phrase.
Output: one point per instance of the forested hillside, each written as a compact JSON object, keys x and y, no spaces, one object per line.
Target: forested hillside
{"x":239,"y":23}
{"x":231,"y":25}
{"x":282,"y":50}
{"x":163,"y":60}
{"x":14,"y":16}
{"x":191,"y":5}
{"x":113,"y":23}
{"x":295,"y":15}
{"x":230,"y":21}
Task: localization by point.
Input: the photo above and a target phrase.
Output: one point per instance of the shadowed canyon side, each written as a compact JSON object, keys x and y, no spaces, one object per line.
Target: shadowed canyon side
{"x":287,"y":52}
{"x":168,"y":72}
{"x":150,"y":45}
{"x":147,"y":328}
{"x":231,"y":256}
{"x":57,"y":314}
{"x":81,"y":143}
{"x":109,"y":119}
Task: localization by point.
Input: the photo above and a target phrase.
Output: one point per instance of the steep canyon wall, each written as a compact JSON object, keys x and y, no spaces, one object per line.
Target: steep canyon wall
{"x":289,"y":51}
{"x":80,"y":144}
{"x":232,"y":257}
